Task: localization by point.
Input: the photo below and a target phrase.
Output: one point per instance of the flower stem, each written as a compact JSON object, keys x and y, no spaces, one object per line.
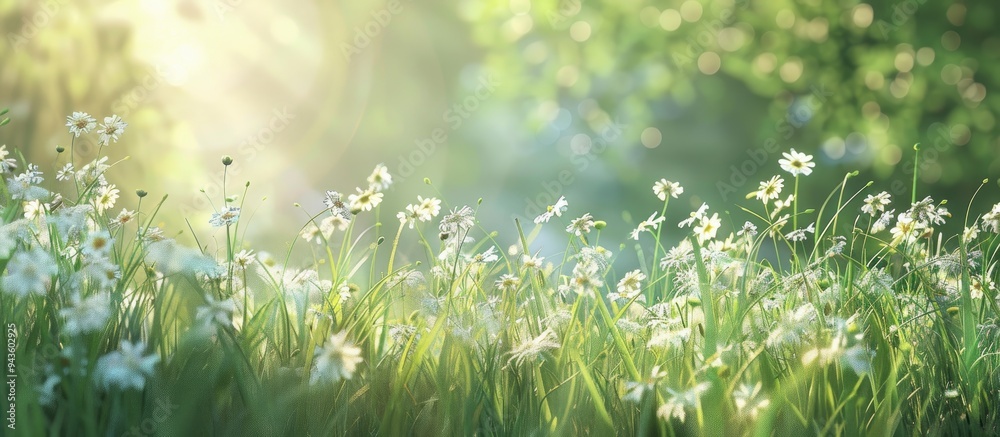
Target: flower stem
{"x":916,"y":167}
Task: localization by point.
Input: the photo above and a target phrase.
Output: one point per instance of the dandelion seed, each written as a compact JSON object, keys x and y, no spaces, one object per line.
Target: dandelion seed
{"x":336,"y":360}
{"x":111,"y":129}
{"x":876,"y":203}
{"x":533,"y":349}
{"x":678,"y":255}
{"x":649,"y":225}
{"x":380,"y":178}
{"x":553,"y":210}
{"x":106,"y":197}
{"x":664,"y":188}
{"x":770,"y":189}
{"x":457,"y":222}
{"x":708,"y":227}
{"x":66,"y":173}
{"x":127,"y":367}
{"x":797,"y":163}
{"x":364,"y":200}
{"x":227,"y":217}
{"x":336,"y":206}
{"x":581,"y":225}
{"x":80,"y":123}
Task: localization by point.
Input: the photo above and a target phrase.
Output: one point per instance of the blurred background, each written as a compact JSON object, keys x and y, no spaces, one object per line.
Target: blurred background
{"x":517,"y":102}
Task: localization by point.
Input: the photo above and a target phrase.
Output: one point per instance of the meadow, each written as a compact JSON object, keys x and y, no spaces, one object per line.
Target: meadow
{"x":855,"y":318}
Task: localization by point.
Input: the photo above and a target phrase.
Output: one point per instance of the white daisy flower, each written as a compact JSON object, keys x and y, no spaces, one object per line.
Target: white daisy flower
{"x":663,"y":188}
{"x":80,"y":123}
{"x":29,"y":272}
{"x":311,"y":233}
{"x":227,"y":217}
{"x":34,"y":209}
{"x":124,"y":217}
{"x":797,"y":163}
{"x":333,"y":222}
{"x":6,"y":164}
{"x":508,"y":282}
{"x":66,"y":173}
{"x":708,"y":227}
{"x":553,"y":210}
{"x":631,"y":284}
{"x":410,"y":216}
{"x":905,"y":230}
{"x":98,"y":244}
{"x":364,"y":200}
{"x":649,"y":224}
{"x":87,"y":315}
{"x":380,"y":178}
{"x":532,"y":262}
{"x":243,"y":259}
{"x":696,"y":215}
{"x":105,"y":198}
{"x":216,"y":312}
{"x":111,"y":129}
{"x":336,"y":205}
{"x":127,"y":367}
{"x":428,"y":208}
{"x":770,"y":189}
{"x":336,"y":360}
{"x":800,"y":234}
{"x":581,"y":225}
{"x":876,"y":203}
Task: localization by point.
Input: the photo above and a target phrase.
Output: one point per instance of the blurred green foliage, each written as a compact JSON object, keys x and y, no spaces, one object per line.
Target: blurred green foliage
{"x":703,"y":83}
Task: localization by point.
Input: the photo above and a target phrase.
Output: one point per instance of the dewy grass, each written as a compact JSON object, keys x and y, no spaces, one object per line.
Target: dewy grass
{"x":864,"y":321}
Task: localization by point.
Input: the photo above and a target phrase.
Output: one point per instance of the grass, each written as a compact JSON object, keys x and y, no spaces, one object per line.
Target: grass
{"x":845,"y":330}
